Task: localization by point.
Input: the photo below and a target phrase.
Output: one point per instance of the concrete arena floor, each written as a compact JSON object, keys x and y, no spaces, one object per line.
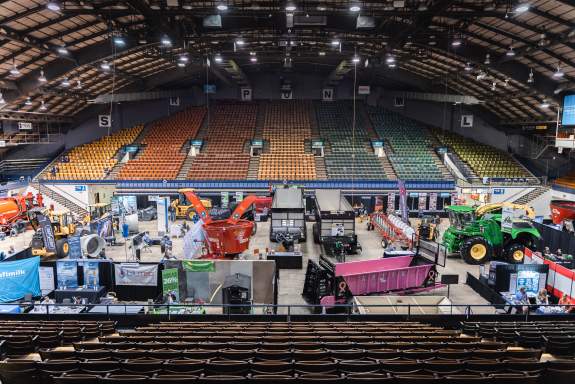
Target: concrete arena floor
{"x":291,"y":281}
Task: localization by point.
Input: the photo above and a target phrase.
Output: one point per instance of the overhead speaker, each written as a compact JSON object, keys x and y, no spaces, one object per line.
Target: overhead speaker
{"x":92,"y":245}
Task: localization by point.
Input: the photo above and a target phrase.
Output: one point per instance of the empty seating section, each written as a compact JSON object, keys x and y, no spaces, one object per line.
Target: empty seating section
{"x":347,"y":155}
{"x":286,"y":128}
{"x":163,"y":155}
{"x":557,"y":338}
{"x":344,"y":352}
{"x":223,"y":156}
{"x":413,"y":156}
{"x":567,"y":181}
{"x":92,"y":161}
{"x":484,"y":160}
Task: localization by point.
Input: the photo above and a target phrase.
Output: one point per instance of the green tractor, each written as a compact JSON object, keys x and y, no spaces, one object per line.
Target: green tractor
{"x":478,"y":234}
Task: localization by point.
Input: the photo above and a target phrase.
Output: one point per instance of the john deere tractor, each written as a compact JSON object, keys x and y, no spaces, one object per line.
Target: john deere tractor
{"x":479,"y":234}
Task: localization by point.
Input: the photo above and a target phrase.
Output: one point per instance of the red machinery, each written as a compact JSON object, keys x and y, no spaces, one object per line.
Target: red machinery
{"x":392,"y":230}
{"x":562,"y":210}
{"x":226,"y":237}
{"x":14,"y":209}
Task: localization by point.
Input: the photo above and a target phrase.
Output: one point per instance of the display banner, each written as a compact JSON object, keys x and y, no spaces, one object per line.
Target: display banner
{"x":46,"y":280}
{"x":92,"y":274}
{"x":136,"y":274}
{"x":47,"y":233}
{"x":433,"y":201}
{"x":19,"y":278}
{"x":198,"y":266}
{"x":75,"y":247}
{"x":225,"y":199}
{"x":162,"y":209}
{"x":391,"y":202}
{"x":171,"y":282}
{"x":104,"y":227}
{"x":67,"y":274}
{"x":422,"y":202}
{"x":403,"y":201}
{"x":194,"y":240}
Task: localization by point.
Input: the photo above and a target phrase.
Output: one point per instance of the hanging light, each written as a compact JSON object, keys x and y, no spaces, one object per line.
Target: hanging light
{"x":28,"y":101}
{"x":42,"y":78}
{"x":166,"y":42}
{"x":184,"y":58}
{"x":468,"y":67}
{"x":2,"y":101}
{"x":218,"y":59}
{"x":510,"y":52}
{"x":65,"y":83}
{"x":321,"y":53}
{"x":493,"y":86}
{"x":181,"y":64}
{"x":54,"y":6}
{"x":530,"y":79}
{"x":79,"y":84}
{"x":355,"y":8}
{"x":240,"y":42}
{"x":335,"y":43}
{"x":290,"y":7}
{"x":456,"y":42}
{"x":545,"y":104}
{"x":487,"y":59}
{"x":254,"y":59}
{"x":222,"y":7}
{"x":105,"y":65}
{"x":43,"y":106}
{"x":62,"y":50}
{"x":119,"y":41}
{"x":506,"y":83}
{"x":392,"y":65}
{"x":390,"y":59}
{"x":14,"y":71}
{"x":356,"y":59}
{"x":522,"y":8}
{"x":558,"y":73}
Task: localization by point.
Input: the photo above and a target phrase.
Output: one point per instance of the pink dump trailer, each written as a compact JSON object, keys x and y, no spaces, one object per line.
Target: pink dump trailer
{"x":385,"y":275}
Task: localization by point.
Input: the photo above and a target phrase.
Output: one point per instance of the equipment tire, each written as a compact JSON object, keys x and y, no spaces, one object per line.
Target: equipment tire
{"x":384,"y":243}
{"x":515,"y":253}
{"x":190,"y":214}
{"x":475,"y":251}
{"x":62,"y":248}
{"x":315,"y":233}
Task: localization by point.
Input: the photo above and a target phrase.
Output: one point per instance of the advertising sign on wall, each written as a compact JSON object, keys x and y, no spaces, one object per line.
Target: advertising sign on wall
{"x":19,"y":278}
{"x":432,"y":201}
{"x":391,"y":202}
{"x":75,"y":247}
{"x":92,"y":274}
{"x":67,"y":274}
{"x":46,"y":280}
{"x":47,"y":233}
{"x":171,"y":282}
{"x":136,"y":274}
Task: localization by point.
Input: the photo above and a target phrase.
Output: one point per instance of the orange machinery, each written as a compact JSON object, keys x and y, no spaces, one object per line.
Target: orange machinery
{"x":225,"y":237}
{"x":15,"y":208}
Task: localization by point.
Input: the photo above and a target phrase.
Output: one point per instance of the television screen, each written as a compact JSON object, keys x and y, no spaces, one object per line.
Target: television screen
{"x":529,"y":280}
{"x":568,"y":117}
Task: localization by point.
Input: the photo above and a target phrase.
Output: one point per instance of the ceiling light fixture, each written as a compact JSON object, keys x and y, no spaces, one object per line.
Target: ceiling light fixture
{"x":218,"y":59}
{"x":240,"y":42}
{"x":558,"y":74}
{"x":480,"y":76}
{"x":105,"y":65}
{"x":522,"y":8}
{"x":335,"y":43}
{"x":510,"y":52}
{"x":290,"y":7}
{"x":119,"y":41}
{"x":487,"y":59}
{"x":62,"y":50}
{"x":321,"y":53}
{"x":166,"y":42}
{"x":390,"y":59}
{"x":254,"y":59}
{"x":42,"y":78}
{"x":356,"y":59}
{"x":43,"y":106}
{"x":530,"y":79}
{"x":468,"y":67}
{"x":181,"y":64}
{"x":222,"y":7}
{"x":391,"y":65}
{"x":14,"y":71}
{"x":2,"y":101}
{"x":457,"y":42}
{"x":79,"y":84}
{"x":184,"y":58}
{"x":545,"y":104}
{"x":355,"y":8}
{"x":28,"y":101}
{"x":493,"y":86}
{"x":54,"y":6}
{"x":65,"y":83}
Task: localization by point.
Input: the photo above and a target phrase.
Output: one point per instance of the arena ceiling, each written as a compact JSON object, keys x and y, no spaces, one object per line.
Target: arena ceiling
{"x":514,"y":56}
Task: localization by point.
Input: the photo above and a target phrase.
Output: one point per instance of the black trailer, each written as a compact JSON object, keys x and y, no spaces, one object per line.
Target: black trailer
{"x":334,"y":225}
{"x":288,"y":215}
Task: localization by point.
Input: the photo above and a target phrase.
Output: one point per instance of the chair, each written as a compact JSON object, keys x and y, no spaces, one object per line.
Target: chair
{"x":172,"y":379}
{"x":315,"y":366}
{"x":400,"y":366}
{"x":19,"y":371}
{"x":416,"y":379}
{"x":560,"y":346}
{"x":510,"y":378}
{"x":221,"y":379}
{"x":320,"y":377}
{"x":358,"y":366}
{"x":124,"y":379}
{"x":142,"y":366}
{"x":99,"y":367}
{"x":272,"y":379}
{"x":271,"y":367}
{"x":227,"y":367}
{"x":51,"y":368}
{"x":465,"y":379}
{"x":443,"y":367}
{"x":559,"y":376}
{"x":364,"y":378}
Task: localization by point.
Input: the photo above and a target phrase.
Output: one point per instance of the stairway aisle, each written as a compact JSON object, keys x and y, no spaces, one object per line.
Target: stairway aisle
{"x":320,"y":169}
{"x":253,"y":168}
{"x":529,"y":197}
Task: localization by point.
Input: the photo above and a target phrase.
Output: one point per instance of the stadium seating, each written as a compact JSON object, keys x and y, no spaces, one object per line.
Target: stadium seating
{"x":92,"y":161}
{"x":286,"y":127}
{"x":413,"y":157}
{"x":223,"y":156}
{"x":484,"y":160}
{"x":348,"y":155}
{"x":342,"y":352}
{"x":162,"y":156}
{"x":567,"y":181}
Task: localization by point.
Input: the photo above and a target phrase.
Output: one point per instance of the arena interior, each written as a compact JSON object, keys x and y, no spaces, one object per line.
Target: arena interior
{"x":287,"y":191}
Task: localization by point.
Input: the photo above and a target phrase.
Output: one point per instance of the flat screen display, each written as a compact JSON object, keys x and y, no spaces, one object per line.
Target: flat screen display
{"x":568,"y":117}
{"x":529,"y":280}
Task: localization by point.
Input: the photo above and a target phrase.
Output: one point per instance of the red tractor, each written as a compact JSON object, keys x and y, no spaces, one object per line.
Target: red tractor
{"x":14,"y":210}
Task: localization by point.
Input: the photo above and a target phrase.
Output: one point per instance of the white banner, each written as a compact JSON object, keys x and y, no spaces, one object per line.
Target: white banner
{"x":162,"y":209}
{"x":24,"y":126}
{"x":136,"y":274}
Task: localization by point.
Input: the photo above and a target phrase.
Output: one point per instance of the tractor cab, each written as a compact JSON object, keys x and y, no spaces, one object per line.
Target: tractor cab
{"x":184,"y":208}
{"x":461,"y":216}
{"x":99,"y":210}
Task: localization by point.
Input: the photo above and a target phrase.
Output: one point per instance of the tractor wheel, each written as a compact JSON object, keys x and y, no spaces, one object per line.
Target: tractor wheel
{"x":515,"y":253}
{"x":384,"y":243}
{"x":475,"y":251}
{"x":315,"y":233}
{"x":190,"y":214}
{"x":62,"y":248}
